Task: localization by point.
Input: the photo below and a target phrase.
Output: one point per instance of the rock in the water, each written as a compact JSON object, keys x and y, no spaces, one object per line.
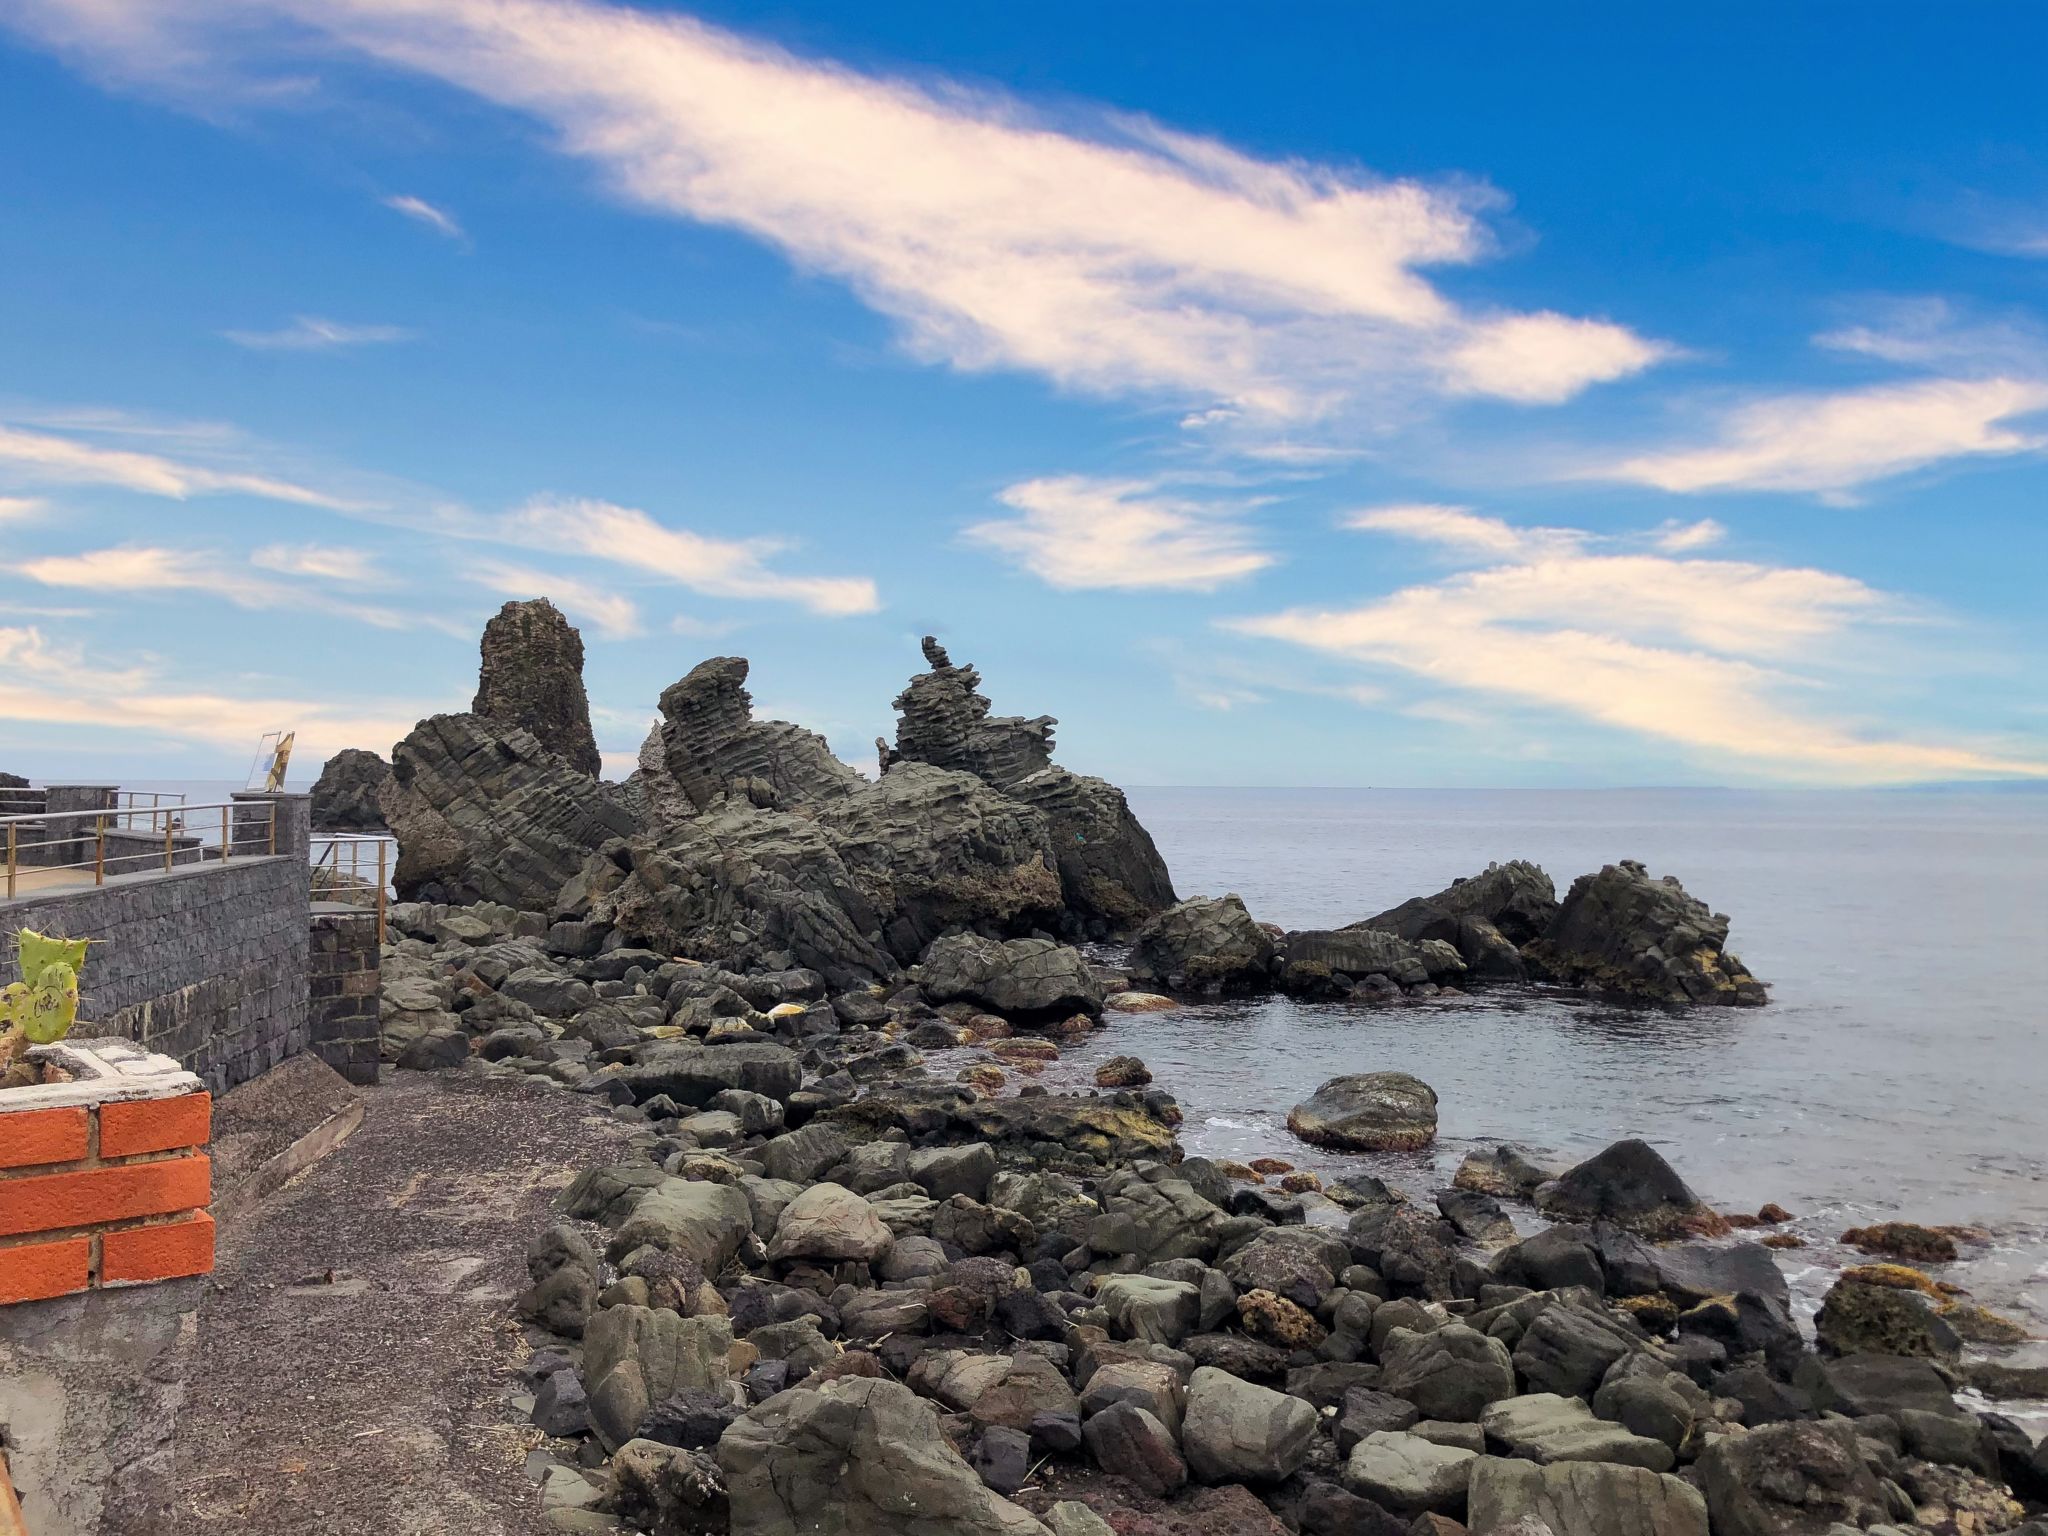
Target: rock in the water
{"x":1110,"y":872}
{"x":1622,"y":933}
{"x":532,"y":680}
{"x":1630,"y":1185}
{"x":711,"y":747}
{"x":856,"y":1457}
{"x":1583,"y":1498}
{"x":1026,"y":980}
{"x":1317,"y":964}
{"x":1863,"y":1319}
{"x":1368,"y":1112}
{"x":1790,"y":1479}
{"x":346,"y":796}
{"x":1486,"y":918}
{"x":1207,"y":944}
{"x":1237,"y":1432}
{"x":483,"y":812}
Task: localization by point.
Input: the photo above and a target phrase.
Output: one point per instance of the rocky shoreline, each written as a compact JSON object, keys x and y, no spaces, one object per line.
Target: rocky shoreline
{"x":863,"y":1273}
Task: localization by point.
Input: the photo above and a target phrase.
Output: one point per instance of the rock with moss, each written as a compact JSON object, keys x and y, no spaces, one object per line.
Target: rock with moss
{"x":1368,"y":1112}
{"x":1863,"y":1319}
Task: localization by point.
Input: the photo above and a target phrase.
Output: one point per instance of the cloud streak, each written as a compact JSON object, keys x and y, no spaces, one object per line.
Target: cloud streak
{"x":1081,"y":534}
{"x":310,"y":333}
{"x":420,"y":211}
{"x":1719,"y":657}
{"x":1107,"y":253}
{"x":71,"y":460}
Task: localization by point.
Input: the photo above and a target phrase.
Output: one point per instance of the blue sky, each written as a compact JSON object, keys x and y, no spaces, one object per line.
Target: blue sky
{"x":1338,"y":396}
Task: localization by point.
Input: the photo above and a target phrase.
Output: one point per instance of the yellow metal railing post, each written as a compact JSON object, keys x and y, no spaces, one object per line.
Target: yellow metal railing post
{"x":273,"y":826}
{"x":11,"y":836}
{"x":99,"y":850}
{"x":167,"y":842}
{"x":226,"y":839}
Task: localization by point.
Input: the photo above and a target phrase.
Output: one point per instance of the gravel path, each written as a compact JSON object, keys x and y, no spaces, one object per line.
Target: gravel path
{"x":375,"y":1400}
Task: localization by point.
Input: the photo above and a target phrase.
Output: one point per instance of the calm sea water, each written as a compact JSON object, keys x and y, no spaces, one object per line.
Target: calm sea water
{"x":1900,"y":1069}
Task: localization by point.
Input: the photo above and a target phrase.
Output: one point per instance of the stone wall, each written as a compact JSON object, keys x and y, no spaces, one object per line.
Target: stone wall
{"x":206,"y":964}
{"x":343,"y":974}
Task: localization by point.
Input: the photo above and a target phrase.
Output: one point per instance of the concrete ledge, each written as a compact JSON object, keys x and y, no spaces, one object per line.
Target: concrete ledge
{"x":276,"y":1126}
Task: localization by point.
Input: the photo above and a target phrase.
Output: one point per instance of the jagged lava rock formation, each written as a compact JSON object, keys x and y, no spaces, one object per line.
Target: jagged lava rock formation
{"x":532,"y":677}
{"x":1623,"y":933}
{"x":345,"y":797}
{"x":1111,"y":875}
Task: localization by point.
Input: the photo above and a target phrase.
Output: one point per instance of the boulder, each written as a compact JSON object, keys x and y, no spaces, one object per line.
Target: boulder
{"x":636,"y":1357}
{"x":702,"y":1221}
{"x":1504,"y":1172}
{"x":347,"y":795}
{"x":532,"y":680}
{"x":1630,"y":1185}
{"x":1368,"y":1112}
{"x":1024,"y":980}
{"x":1624,"y":934}
{"x":1452,"y":1373}
{"x":666,"y":1490}
{"x":1862,"y":1319}
{"x":1155,"y":1311}
{"x":1110,"y":875}
{"x":828,"y":1222}
{"x":856,"y":1457}
{"x":1581,"y":1498}
{"x":1569,"y":1349}
{"x":1790,"y":1479}
{"x":1234,"y":1431}
{"x":1409,"y":1475}
{"x":1207,"y":944}
{"x":1311,"y":963}
{"x":484,"y":812}
{"x":1129,"y":1440}
{"x":1544,"y":1427}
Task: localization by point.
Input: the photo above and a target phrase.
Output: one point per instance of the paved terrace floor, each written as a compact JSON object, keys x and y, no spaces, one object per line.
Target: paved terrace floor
{"x":376,"y":1402}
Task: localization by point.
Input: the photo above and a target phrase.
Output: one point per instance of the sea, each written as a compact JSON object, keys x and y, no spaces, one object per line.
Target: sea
{"x":1899,"y":1071}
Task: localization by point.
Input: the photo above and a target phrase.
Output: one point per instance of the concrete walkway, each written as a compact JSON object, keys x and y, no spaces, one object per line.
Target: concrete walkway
{"x":375,"y":1400}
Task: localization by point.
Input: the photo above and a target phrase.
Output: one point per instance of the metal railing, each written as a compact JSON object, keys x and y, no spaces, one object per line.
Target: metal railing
{"x":132,"y":802}
{"x":354,"y":868}
{"x":59,"y":849}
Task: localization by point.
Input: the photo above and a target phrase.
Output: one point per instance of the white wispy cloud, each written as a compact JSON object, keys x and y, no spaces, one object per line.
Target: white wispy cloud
{"x":633,"y":540}
{"x":77,"y":460}
{"x":19,"y":509}
{"x":325,"y":562}
{"x":1079,"y":533}
{"x":1105,"y":252}
{"x":616,"y":616}
{"x":311,"y":333}
{"x":420,"y":211}
{"x":45,"y":682}
{"x":1723,"y":657}
{"x":1834,"y":443}
{"x":158,"y":570}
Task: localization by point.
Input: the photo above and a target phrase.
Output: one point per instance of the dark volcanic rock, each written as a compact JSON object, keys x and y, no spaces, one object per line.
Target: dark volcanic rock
{"x":1623,"y":933}
{"x":484,"y":812}
{"x":1112,"y":876}
{"x":1309,"y":961}
{"x":345,"y":796}
{"x":1486,"y":918}
{"x":1631,"y":1186}
{"x":710,"y":746}
{"x":1863,"y":1319}
{"x":1368,"y":1112}
{"x":1025,"y":979}
{"x":1207,"y":944}
{"x":532,"y":678}
{"x":1789,"y":1478}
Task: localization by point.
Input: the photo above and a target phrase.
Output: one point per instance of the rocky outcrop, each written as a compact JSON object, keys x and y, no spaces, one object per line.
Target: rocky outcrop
{"x":1486,"y":918}
{"x":1206,"y":944}
{"x":1111,"y":875}
{"x":710,"y":746}
{"x":1319,"y":964}
{"x":532,"y":680}
{"x":1630,"y":1185}
{"x":483,"y":812}
{"x":1624,"y":934}
{"x":346,"y":796}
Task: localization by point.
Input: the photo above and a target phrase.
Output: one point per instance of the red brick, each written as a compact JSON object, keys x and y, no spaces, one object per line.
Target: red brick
{"x":32,"y":1136}
{"x":45,"y":1202}
{"x":162,"y":1252}
{"x":155,"y":1125}
{"x":35,"y":1271}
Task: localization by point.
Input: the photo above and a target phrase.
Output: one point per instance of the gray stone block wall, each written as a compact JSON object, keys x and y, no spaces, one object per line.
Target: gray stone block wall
{"x":207,"y":964}
{"x":344,"y":971}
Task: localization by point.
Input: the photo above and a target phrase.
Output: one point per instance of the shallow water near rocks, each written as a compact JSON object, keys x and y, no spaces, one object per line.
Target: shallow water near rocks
{"x":1899,"y":1071}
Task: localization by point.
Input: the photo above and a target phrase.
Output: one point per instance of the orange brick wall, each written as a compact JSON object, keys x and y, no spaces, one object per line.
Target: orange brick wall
{"x":103,"y":1195}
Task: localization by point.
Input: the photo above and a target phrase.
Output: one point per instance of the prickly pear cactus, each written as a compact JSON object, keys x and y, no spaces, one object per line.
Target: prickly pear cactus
{"x":40,"y":1008}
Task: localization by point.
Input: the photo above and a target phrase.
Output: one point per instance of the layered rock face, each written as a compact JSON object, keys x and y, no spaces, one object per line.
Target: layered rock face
{"x":1486,"y":918}
{"x":1624,"y":933}
{"x":484,"y":812}
{"x":710,"y":745}
{"x":1111,"y":875}
{"x":532,"y":678}
{"x":346,"y":797}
